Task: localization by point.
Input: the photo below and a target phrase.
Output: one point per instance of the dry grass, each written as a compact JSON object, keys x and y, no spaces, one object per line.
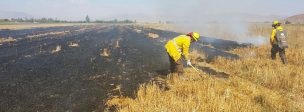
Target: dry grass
{"x":117,"y":44}
{"x":153,"y":35}
{"x":73,"y":44}
{"x":47,"y":34}
{"x":255,"y":83}
{"x":5,"y":40}
{"x":29,"y":26}
{"x":257,"y":67}
{"x":56,"y":50}
{"x":199,"y":95}
{"x":105,"y":52}
{"x":11,"y":39}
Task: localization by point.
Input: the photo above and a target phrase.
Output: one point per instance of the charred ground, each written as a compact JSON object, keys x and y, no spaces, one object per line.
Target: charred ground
{"x":35,"y":78}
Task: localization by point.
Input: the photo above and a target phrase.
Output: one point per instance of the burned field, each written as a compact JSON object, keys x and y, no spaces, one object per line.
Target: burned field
{"x":76,"y":68}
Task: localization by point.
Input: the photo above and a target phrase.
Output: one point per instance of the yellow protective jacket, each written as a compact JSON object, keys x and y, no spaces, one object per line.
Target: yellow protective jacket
{"x":181,"y":43}
{"x":273,"y":39}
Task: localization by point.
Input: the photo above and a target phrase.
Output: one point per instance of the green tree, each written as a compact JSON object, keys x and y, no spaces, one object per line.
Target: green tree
{"x":87,"y":19}
{"x":287,"y":22}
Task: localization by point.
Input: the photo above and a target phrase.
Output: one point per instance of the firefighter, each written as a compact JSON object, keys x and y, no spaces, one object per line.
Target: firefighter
{"x":278,"y":43}
{"x":177,"y":48}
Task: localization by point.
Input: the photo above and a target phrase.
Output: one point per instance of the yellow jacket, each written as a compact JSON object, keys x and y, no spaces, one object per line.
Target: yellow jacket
{"x":181,"y":43}
{"x":273,"y":39}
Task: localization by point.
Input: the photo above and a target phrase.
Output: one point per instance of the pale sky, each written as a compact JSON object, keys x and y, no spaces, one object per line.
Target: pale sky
{"x":151,"y":9}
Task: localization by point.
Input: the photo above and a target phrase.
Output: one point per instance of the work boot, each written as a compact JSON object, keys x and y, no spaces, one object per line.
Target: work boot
{"x":284,"y":61}
{"x":283,"y":57}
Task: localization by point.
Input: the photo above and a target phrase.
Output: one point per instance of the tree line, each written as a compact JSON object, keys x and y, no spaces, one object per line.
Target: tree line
{"x":51,"y":20}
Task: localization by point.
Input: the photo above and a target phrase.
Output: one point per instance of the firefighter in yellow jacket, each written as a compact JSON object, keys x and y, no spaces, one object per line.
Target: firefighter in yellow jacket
{"x":276,"y":44}
{"x":178,"y":47}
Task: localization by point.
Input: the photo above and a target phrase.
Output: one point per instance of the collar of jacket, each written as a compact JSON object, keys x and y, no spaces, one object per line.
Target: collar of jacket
{"x":280,"y":28}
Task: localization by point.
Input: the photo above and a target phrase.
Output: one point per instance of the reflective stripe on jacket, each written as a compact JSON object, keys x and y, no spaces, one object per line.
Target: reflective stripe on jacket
{"x":273,"y":39}
{"x":181,"y":43}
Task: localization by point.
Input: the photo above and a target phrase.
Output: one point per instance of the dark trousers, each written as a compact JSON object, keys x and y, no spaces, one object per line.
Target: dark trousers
{"x":275,"y":49}
{"x":176,"y":67}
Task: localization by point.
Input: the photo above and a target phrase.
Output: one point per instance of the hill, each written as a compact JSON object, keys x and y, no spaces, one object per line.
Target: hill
{"x":296,"y":19}
{"x":11,"y":14}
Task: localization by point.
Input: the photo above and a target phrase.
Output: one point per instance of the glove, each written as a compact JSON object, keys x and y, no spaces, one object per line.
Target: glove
{"x":189,"y":63}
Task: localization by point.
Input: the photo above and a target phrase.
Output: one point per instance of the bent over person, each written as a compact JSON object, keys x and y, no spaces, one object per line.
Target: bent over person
{"x":278,"y":41}
{"x":177,"y":48}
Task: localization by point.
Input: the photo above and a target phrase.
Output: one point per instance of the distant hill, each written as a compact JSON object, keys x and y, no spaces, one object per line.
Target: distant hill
{"x":296,"y":19}
{"x":10,"y":14}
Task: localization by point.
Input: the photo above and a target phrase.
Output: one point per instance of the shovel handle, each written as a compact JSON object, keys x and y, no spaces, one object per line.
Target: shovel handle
{"x":195,"y":69}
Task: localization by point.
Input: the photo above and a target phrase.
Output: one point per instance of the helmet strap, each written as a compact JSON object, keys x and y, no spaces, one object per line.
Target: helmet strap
{"x":190,"y":34}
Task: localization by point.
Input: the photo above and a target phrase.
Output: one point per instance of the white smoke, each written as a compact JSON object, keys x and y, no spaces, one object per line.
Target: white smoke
{"x":218,"y":18}
{"x":257,"y":41}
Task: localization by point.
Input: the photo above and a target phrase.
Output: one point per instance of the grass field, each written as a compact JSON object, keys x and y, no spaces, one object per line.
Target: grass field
{"x":255,"y":83}
{"x":31,"y":25}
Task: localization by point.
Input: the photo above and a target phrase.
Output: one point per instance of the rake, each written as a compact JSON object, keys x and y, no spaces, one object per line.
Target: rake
{"x":195,"y":69}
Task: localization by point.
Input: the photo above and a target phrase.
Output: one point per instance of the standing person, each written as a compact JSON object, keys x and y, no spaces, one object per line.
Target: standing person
{"x":178,"y":47}
{"x":278,"y":41}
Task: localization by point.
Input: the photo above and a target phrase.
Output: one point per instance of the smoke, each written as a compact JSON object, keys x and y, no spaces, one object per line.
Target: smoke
{"x":218,"y":18}
{"x":257,"y":41}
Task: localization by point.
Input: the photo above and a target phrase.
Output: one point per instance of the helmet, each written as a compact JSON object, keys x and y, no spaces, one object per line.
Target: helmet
{"x":275,"y":22}
{"x":194,"y":35}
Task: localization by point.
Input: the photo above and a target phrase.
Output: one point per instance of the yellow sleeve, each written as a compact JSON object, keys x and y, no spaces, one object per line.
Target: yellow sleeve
{"x":186,"y":47}
{"x":272,"y":38}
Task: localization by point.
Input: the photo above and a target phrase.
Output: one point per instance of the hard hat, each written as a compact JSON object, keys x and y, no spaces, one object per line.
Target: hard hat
{"x":194,"y":35}
{"x":275,"y":22}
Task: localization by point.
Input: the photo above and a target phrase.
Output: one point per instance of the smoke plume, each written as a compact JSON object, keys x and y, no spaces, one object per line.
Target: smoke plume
{"x":218,"y":18}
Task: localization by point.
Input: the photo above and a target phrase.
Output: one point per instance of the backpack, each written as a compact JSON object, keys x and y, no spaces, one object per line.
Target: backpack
{"x":281,"y":37}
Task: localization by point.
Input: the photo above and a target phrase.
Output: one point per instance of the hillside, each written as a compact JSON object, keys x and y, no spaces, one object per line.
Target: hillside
{"x":296,"y":19}
{"x":11,"y":14}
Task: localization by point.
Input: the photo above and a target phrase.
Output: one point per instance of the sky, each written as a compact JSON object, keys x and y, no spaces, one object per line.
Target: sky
{"x":153,"y":10}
